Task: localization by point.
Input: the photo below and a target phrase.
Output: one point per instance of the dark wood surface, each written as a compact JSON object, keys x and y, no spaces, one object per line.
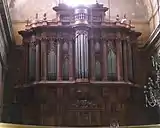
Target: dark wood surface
{"x":79,"y":101}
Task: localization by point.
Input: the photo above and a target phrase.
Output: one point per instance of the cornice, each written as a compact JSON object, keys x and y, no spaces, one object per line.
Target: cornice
{"x":134,"y":21}
{"x":153,"y":40}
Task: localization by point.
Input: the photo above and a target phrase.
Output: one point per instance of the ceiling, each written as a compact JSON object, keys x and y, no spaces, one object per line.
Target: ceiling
{"x":144,"y":14}
{"x":22,"y":9}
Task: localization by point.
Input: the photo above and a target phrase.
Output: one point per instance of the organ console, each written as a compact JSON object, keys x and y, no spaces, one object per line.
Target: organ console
{"x":78,"y":68}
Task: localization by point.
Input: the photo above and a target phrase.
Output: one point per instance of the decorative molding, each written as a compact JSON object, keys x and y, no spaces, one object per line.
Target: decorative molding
{"x":152,"y":40}
{"x":7,"y":125}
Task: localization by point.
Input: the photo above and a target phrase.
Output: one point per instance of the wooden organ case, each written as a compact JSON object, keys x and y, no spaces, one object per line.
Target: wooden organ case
{"x":77,"y":69}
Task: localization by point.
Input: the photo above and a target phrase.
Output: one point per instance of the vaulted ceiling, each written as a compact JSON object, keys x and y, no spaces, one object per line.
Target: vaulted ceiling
{"x":22,"y":9}
{"x":143,"y":13}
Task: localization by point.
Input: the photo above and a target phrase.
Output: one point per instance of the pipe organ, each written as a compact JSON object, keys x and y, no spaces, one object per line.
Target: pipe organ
{"x":79,"y":64}
{"x":81,"y":52}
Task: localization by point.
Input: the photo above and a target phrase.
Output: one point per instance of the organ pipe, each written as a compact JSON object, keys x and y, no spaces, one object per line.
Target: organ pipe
{"x":81,"y":54}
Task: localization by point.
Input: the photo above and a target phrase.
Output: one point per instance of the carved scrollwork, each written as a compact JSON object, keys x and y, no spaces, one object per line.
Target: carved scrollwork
{"x":52,"y":46}
{"x":33,"y":45}
{"x":97,"y":47}
{"x":118,"y":35}
{"x":81,"y":32}
{"x":84,"y":103}
{"x":66,"y":57}
{"x":82,"y":98}
{"x":65,"y":47}
{"x":111,"y":45}
{"x":103,"y":35}
{"x":44,"y":37}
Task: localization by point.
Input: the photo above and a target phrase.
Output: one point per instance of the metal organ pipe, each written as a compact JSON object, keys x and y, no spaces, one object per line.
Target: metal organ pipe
{"x":76,"y":63}
{"x":84,"y":50}
{"x":81,"y":50}
{"x":79,"y":58}
{"x":86,"y":54}
{"x":82,"y":55}
{"x":76,"y":57}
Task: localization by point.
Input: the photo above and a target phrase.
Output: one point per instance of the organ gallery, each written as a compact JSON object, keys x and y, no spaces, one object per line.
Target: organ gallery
{"x":77,"y":69}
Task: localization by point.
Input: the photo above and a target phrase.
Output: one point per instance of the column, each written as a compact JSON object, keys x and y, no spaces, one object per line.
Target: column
{"x":92,"y":60}
{"x":79,"y":56}
{"x":37,"y":62}
{"x":59,"y":65}
{"x":26,"y":61}
{"x":44,"y":60}
{"x":130,"y":62}
{"x":119,"y":59}
{"x":76,"y":57}
{"x":82,"y":57}
{"x":70,"y":60}
{"x":125,"y":61}
{"x":104,"y":61}
{"x":86,"y":56}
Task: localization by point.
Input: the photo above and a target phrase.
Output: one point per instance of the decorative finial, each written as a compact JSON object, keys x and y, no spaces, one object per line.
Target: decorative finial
{"x":36,"y":16}
{"x":45,"y":16}
{"x":34,"y":21}
{"x":27,"y":23}
{"x":124,"y":16}
{"x":117,"y":18}
{"x":130,"y":23}
{"x":27,"y":26}
{"x":123,"y":21}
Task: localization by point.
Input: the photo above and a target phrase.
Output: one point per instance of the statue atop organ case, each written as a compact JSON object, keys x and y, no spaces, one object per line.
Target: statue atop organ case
{"x":80,"y":64}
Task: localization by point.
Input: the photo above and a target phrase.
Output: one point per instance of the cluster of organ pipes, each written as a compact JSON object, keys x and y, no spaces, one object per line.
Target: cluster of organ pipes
{"x":81,"y":57}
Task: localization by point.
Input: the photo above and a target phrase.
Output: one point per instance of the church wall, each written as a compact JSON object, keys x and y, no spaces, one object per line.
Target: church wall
{"x":153,"y":13}
{"x":16,"y":27}
{"x":141,"y":24}
{"x":135,"y":10}
{"x":5,"y":46}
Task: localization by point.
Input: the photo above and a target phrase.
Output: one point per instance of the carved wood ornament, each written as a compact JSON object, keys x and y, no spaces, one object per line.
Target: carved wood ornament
{"x":81,"y":69}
